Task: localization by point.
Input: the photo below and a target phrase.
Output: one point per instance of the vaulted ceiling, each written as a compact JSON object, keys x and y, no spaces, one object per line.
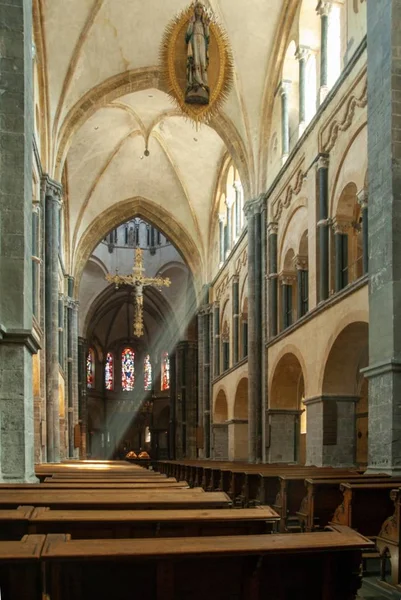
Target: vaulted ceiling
{"x":104,"y":104}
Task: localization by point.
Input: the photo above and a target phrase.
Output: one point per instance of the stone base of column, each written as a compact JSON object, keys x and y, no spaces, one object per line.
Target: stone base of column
{"x":284,"y":435}
{"x":238,"y":439}
{"x":384,"y":418}
{"x":220,"y":441}
{"x":331,"y":431}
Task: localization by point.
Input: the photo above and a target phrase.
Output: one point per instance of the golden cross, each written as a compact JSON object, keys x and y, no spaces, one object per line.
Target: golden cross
{"x":138,"y":282}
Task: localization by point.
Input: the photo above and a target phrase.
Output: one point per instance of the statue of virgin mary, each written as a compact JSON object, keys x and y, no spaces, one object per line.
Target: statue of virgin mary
{"x":197,"y":40}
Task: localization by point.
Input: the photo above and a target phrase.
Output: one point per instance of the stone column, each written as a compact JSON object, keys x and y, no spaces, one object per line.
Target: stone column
{"x":187,"y":395}
{"x":17,"y":342}
{"x":287,"y":280}
{"x":221,"y":238}
{"x":83,"y":398}
{"x":284,"y":89}
{"x":173,"y":404}
{"x":216,"y":337}
{"x":52,"y":209}
{"x":302,"y":55}
{"x":323,"y":10}
{"x":235,"y":317}
{"x":35,"y":258}
{"x":323,"y":227}
{"x":207,"y":380}
{"x":201,"y":367}
{"x":253,"y":210}
{"x":363,"y":202}
{"x":238,"y":207}
{"x":72,"y":365}
{"x":384,"y":176}
{"x":330,"y":439}
{"x":229,"y":205}
{"x":272,"y":229}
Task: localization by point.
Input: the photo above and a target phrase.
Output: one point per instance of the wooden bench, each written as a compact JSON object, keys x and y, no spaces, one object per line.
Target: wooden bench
{"x":109,"y":499}
{"x":322,"y":566}
{"x":14,"y":523}
{"x":88,"y":524}
{"x":322,"y":498}
{"x":20,"y":572}
{"x":91,"y":479}
{"x":389,"y":539}
{"x":83,"y":484}
{"x":364,"y":506}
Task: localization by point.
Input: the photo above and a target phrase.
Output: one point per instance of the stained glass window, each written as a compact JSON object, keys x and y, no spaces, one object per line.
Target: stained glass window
{"x":147,"y":373}
{"x":109,"y":372}
{"x":128,"y":369}
{"x":165,"y":371}
{"x":90,"y":369}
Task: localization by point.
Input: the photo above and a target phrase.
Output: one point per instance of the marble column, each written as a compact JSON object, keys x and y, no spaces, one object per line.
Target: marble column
{"x":272,"y":229}
{"x":221,"y":238}
{"x":35,"y":258}
{"x":253,"y":210}
{"x":235,"y":318}
{"x":201,"y":395}
{"x":323,"y":10}
{"x":363,"y":202}
{"x":302,"y":55}
{"x":285,"y":87}
{"x":83,"y":397}
{"x":323,"y":226}
{"x":384,"y":177}
{"x":301,"y":265}
{"x":229,"y":206}
{"x":238,"y":208}
{"x":287,"y":281}
{"x":17,"y":340}
{"x":52,"y":215}
{"x":340,"y":229}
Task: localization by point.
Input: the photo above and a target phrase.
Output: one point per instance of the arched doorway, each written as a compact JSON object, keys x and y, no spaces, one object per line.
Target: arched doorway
{"x":220,"y":427}
{"x":286,"y":410}
{"x":238,"y":428}
{"x":345,"y":398}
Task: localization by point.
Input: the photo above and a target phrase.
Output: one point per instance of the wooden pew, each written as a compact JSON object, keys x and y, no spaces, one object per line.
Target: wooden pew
{"x":323,"y":496}
{"x":89,"y":524}
{"x":364,"y":506}
{"x":20,"y":573}
{"x":83,"y":484}
{"x":389,"y":540}
{"x":109,"y":499}
{"x":322,"y":566}
{"x":14,"y":523}
{"x":90,"y":479}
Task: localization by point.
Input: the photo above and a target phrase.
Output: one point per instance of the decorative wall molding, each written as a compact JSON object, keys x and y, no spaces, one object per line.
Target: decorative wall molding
{"x":241,"y":261}
{"x":222,"y":288}
{"x":292,"y":188}
{"x":343,"y":115}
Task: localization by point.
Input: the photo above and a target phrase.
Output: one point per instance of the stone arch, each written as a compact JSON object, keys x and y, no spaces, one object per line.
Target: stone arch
{"x":220,"y":412}
{"x":238,"y":438}
{"x":287,"y":393}
{"x":146,"y":209}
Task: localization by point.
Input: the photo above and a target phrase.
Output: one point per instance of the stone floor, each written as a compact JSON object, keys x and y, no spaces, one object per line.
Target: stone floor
{"x":371,"y":590}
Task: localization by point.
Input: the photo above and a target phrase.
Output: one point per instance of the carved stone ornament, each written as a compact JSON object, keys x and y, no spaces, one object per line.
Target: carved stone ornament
{"x":196,"y":62}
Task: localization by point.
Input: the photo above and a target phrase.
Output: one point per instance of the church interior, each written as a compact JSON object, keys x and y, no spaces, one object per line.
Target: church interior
{"x":200,"y":347}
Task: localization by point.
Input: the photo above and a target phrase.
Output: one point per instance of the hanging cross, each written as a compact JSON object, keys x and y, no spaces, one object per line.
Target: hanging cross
{"x":138,"y":282}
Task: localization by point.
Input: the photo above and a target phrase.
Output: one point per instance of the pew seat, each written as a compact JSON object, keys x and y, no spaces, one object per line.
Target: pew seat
{"x":20,"y":572}
{"x":322,"y":566}
{"x":89,"y":524}
{"x":94,"y":485}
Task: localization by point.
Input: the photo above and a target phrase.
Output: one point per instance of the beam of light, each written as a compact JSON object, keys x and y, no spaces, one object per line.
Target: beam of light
{"x":167,"y":341}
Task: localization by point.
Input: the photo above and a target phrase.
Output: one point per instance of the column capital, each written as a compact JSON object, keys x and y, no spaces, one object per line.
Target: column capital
{"x":216,"y":304}
{"x":303,"y":52}
{"x":255,"y":205}
{"x":272,"y":228}
{"x":323,"y":161}
{"x":362,"y":198}
{"x":237,"y":185}
{"x":300,"y":262}
{"x":284,"y":87}
{"x":323,"y":8}
{"x":222,"y":217}
{"x":287,"y":277}
{"x":341,"y":225}
{"x":235,"y":278}
{"x":51,"y":187}
{"x":229,"y":202}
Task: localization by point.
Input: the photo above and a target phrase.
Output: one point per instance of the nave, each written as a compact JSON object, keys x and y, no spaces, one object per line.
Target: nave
{"x":94,"y":529}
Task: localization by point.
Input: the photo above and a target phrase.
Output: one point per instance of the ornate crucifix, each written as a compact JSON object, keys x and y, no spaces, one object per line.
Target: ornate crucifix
{"x":138,"y":282}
